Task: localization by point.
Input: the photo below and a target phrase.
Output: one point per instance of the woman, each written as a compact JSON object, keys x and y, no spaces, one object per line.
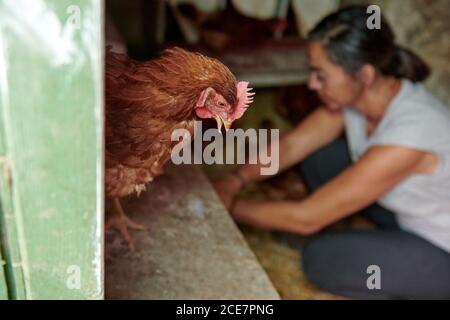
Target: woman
{"x":397,"y":172}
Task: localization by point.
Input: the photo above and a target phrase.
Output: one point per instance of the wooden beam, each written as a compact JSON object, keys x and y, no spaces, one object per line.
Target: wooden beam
{"x":191,"y":249}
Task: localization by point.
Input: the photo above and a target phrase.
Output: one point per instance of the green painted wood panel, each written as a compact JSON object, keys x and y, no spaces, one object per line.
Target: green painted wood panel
{"x":51,"y":122}
{"x":8,"y":235}
{"x":3,"y":287}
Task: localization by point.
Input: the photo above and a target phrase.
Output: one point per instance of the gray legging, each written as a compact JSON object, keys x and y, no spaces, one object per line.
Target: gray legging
{"x":410,"y":267}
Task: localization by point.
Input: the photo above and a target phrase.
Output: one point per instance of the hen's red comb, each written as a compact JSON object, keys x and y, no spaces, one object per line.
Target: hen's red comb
{"x":244,"y":98}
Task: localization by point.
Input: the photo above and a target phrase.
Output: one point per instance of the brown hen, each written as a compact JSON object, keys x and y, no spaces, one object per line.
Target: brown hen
{"x":146,"y":102}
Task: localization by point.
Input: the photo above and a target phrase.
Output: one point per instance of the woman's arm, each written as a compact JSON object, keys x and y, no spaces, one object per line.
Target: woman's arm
{"x":320,"y":128}
{"x":377,"y":171}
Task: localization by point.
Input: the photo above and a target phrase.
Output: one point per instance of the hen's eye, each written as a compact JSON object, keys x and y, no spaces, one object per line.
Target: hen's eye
{"x":221,"y":104}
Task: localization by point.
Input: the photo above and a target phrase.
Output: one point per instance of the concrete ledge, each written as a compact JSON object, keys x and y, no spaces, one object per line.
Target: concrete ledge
{"x":191,"y":249}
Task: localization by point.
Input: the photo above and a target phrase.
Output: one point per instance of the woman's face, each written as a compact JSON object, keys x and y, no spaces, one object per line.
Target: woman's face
{"x":334,"y":86}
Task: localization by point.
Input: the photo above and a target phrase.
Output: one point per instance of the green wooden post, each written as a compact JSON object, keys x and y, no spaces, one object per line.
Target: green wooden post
{"x":51,"y":146}
{"x":3,"y":288}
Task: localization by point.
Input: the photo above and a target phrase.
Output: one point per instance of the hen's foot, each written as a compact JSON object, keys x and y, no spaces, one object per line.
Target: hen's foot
{"x":121,"y":223}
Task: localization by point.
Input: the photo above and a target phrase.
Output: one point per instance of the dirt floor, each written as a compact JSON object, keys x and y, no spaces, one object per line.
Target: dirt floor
{"x":282,"y":264}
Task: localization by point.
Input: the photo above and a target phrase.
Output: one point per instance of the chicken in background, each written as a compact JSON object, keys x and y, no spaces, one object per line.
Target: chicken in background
{"x":230,"y":29}
{"x":145,"y":103}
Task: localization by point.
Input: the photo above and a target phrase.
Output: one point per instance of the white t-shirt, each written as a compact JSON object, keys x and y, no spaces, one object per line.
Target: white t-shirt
{"x":415,"y":119}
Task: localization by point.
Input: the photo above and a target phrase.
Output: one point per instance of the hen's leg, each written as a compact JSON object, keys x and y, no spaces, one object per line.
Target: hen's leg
{"x":121,"y":222}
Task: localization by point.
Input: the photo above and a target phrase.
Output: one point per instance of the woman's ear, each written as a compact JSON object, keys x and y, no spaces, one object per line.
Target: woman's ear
{"x":367,"y":75}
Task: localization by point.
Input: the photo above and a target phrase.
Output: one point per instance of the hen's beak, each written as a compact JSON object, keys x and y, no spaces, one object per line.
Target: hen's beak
{"x":220,"y":121}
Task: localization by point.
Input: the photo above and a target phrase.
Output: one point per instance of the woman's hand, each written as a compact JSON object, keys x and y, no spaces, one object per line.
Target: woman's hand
{"x":227,"y":188}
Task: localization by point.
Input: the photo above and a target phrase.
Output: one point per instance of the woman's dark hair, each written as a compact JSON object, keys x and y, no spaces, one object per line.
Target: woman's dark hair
{"x":351,"y":44}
